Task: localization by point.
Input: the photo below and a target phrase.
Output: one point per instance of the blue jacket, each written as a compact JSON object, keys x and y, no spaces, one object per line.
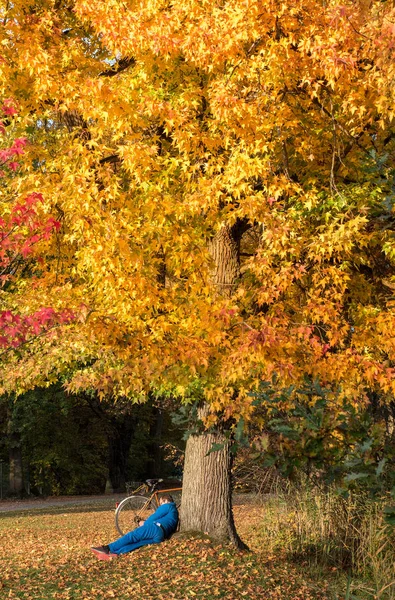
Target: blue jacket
{"x":167,"y":516}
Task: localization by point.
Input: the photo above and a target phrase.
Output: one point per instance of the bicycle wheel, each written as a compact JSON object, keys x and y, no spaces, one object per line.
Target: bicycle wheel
{"x":130,"y":511}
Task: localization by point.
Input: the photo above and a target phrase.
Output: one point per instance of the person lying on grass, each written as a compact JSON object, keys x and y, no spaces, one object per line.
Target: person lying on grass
{"x":158,"y":527}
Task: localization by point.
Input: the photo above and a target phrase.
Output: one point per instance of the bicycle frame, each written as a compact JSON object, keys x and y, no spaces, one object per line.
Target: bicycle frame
{"x":144,"y":498}
{"x":143,"y":488}
{"x":156,"y":493}
{"x":153,"y":493}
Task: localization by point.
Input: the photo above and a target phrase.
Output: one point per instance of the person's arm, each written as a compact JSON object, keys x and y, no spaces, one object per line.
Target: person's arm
{"x":160,"y":512}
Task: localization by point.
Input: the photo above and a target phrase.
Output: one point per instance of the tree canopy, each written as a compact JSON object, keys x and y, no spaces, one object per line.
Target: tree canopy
{"x":151,"y":127}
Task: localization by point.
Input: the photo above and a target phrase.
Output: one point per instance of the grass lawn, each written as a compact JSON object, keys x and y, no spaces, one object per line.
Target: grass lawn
{"x":47,"y":556}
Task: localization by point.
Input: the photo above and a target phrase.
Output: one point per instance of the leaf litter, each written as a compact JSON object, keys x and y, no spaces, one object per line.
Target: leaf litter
{"x":48,"y":556}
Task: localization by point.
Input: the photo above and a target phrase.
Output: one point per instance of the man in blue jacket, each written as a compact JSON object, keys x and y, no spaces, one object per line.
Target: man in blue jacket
{"x":159,"y":526}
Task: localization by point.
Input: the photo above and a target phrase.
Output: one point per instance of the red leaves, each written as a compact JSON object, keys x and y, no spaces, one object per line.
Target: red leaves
{"x":8,"y":107}
{"x":16,"y":329}
{"x":15,"y":150}
{"x":8,"y":154}
{"x":22,"y":230}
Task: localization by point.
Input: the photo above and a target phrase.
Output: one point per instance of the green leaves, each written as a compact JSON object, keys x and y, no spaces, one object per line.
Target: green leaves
{"x":330,"y":439}
{"x":389,"y":515}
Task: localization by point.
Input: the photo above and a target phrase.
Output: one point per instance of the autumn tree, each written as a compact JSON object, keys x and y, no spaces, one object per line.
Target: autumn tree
{"x":223,"y":173}
{"x":24,"y":228}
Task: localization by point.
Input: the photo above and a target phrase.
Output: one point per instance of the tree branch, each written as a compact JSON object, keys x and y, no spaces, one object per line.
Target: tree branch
{"x":121,"y":65}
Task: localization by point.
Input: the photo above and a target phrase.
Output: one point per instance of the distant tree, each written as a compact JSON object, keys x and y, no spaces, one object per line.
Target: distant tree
{"x":60,"y":443}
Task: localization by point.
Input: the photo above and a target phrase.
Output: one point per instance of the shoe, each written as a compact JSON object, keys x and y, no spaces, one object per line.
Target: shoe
{"x":103,"y":553}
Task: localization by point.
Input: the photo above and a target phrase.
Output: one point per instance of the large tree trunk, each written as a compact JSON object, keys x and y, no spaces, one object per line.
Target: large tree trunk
{"x":225,"y":252}
{"x":207,"y":491}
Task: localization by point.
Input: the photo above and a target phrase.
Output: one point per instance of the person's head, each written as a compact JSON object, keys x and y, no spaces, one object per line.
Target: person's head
{"x":165,"y":499}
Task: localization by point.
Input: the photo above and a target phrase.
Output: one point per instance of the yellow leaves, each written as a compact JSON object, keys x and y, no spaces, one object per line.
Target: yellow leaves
{"x":337,"y":238}
{"x":139,"y":159}
{"x":229,"y":114}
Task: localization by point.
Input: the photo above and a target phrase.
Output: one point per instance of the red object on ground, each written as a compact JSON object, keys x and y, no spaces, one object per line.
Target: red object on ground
{"x":103,"y":555}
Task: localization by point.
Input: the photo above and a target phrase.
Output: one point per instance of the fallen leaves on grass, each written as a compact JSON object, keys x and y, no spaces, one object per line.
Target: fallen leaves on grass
{"x":48,"y":557}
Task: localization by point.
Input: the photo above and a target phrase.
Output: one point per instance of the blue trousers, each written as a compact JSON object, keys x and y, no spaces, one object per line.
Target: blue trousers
{"x":142,"y":536}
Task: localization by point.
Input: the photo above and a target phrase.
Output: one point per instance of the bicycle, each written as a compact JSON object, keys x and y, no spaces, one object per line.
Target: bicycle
{"x":137,"y":507}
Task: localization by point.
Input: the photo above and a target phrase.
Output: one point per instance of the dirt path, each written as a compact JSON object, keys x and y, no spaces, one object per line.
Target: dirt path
{"x":58,"y":501}
{"x":108,"y":499}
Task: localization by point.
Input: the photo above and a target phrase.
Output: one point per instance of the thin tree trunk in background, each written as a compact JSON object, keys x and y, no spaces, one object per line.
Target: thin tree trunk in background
{"x":155,"y":458}
{"x":16,"y":486}
{"x":207,"y":487}
{"x":119,"y":442}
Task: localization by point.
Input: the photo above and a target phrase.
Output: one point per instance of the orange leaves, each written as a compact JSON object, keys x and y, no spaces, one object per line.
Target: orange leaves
{"x":48,"y":557}
{"x":150,"y":126}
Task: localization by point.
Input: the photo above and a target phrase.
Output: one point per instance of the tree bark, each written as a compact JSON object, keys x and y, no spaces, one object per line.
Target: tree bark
{"x":207,"y":487}
{"x":155,"y":460}
{"x":16,"y":486}
{"x":207,"y":490}
{"x":225,"y":252}
{"x":119,"y":442}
